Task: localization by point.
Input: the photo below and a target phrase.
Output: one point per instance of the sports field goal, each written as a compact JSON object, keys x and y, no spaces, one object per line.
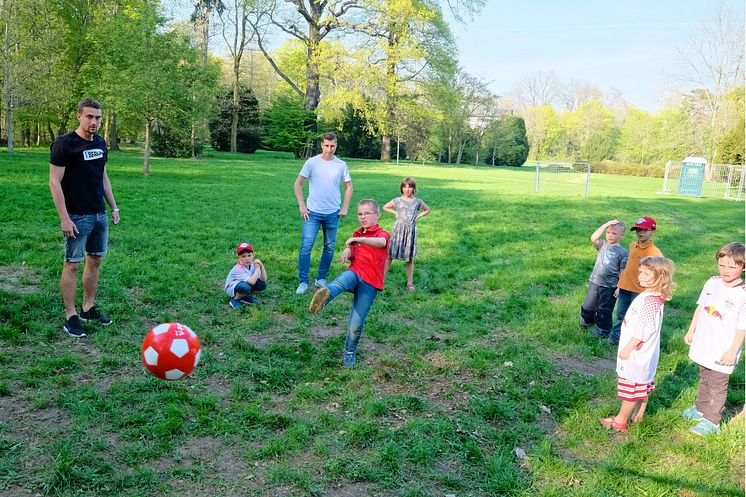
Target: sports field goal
{"x":696,"y":179}
{"x":562,"y":178}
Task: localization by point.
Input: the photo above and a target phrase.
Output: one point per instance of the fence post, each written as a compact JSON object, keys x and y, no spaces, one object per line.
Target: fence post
{"x":536,"y":178}
{"x":727,"y":183}
{"x":588,"y":180}
{"x":740,"y":185}
{"x":665,"y":177}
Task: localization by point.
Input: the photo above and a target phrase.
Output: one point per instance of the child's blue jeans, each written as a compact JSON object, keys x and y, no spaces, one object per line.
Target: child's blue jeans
{"x":363,"y":297}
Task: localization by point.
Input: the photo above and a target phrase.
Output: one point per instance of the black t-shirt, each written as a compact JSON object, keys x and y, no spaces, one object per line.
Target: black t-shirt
{"x":83,"y":182}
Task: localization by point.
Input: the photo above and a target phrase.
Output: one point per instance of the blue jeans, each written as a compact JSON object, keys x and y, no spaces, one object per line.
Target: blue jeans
{"x":598,"y":307}
{"x":92,"y":236}
{"x":364,"y":296}
{"x":622,"y":304}
{"x":245,"y":288}
{"x":311,"y":227}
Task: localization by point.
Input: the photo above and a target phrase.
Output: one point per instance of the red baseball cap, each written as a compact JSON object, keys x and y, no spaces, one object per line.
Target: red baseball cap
{"x":244,"y":247}
{"x":644,"y":223}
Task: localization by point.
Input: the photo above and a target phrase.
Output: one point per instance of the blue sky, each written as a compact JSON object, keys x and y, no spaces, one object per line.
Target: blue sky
{"x":629,"y":45}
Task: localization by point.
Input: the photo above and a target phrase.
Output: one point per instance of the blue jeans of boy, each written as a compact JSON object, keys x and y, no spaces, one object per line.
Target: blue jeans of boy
{"x":598,"y":308}
{"x":622,"y":304}
{"x":363,"y":297}
{"x":245,"y":288}
{"x":311,"y":227}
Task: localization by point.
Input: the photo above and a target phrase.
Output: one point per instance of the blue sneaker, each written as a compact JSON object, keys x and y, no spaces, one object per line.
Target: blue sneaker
{"x":705,"y":427}
{"x":73,"y":327}
{"x":302,"y":288}
{"x":320,"y":283}
{"x":236,"y":304}
{"x":349,"y":359}
{"x":250,"y":300}
{"x":692,"y":414}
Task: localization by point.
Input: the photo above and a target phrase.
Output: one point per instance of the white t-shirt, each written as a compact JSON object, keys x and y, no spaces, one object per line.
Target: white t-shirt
{"x":723,"y":312}
{"x":643,"y":321}
{"x":324,"y":177}
{"x":236,"y":275}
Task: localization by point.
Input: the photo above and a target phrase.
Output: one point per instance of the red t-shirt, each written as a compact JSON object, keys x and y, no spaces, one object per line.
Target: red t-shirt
{"x":370,"y":262}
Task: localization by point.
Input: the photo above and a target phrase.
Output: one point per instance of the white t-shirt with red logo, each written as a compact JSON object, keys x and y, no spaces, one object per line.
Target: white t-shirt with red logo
{"x":643,"y":321}
{"x":723,"y":312}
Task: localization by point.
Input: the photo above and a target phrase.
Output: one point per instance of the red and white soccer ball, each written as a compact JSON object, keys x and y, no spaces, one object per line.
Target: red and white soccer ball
{"x":170,"y":351}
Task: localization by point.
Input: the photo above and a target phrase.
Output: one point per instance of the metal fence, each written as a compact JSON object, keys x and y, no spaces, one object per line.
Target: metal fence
{"x":562,"y":178}
{"x":704,"y":180}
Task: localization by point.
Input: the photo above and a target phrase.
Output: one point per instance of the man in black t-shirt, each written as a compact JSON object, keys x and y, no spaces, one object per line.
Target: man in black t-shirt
{"x":79,"y":185}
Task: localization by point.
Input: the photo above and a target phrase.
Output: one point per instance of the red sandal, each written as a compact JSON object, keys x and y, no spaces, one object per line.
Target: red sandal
{"x":611,"y":423}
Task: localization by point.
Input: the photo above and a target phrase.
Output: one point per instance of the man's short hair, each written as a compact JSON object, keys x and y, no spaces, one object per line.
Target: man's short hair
{"x":90,"y":103}
{"x":329,"y":136}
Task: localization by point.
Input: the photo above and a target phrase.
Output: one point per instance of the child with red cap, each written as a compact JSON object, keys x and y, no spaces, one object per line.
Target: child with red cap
{"x":629,"y":286}
{"x":247,"y":278}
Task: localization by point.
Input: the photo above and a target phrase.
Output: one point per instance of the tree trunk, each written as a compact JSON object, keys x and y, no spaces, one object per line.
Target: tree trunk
{"x":146,"y":162}
{"x":388,"y":124}
{"x":51,"y":132}
{"x":113,"y":135}
{"x":8,"y":88}
{"x":234,"y":109}
{"x":313,"y":90}
{"x":386,"y":148}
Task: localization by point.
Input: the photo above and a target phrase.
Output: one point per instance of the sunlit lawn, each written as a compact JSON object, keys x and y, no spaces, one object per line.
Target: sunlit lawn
{"x":485,"y":357}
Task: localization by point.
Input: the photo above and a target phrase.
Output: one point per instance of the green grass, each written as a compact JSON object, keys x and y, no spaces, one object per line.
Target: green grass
{"x":485,"y":357}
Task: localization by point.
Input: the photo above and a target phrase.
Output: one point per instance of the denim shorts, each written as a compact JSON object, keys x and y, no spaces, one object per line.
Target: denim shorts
{"x":92,"y":236}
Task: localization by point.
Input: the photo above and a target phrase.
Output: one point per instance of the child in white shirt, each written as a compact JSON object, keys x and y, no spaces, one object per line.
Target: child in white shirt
{"x":639,"y":342}
{"x":716,"y":337}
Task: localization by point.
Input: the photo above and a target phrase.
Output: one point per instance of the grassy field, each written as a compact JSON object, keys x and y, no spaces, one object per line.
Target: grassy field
{"x":484,"y":358}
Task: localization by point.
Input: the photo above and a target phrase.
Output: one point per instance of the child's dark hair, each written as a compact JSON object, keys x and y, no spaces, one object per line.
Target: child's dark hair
{"x":408,"y":181}
{"x":663,"y":270}
{"x":733,"y":250}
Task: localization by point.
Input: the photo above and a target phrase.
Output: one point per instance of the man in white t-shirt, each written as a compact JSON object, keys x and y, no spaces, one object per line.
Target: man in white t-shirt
{"x":324,"y":173}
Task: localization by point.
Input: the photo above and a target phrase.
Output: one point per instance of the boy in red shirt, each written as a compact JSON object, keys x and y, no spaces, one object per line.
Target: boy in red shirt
{"x":367,"y":252}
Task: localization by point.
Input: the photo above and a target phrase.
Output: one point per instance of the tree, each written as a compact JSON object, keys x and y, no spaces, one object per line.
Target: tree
{"x":636,"y":139}
{"x":536,"y":89}
{"x":354,"y":136}
{"x":235,"y":20}
{"x":288,"y":125}
{"x":546,"y":134}
{"x":247,"y":138}
{"x":507,"y":142}
{"x":713,"y":59}
{"x":590,"y":129}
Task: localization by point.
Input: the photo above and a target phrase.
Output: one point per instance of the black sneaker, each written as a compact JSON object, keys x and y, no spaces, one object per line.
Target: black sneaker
{"x":250,"y":299}
{"x":73,"y":327}
{"x":93,"y":314}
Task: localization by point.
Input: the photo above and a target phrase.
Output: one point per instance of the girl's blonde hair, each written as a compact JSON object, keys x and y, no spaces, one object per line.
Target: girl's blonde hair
{"x":408,"y":181}
{"x":663,"y":270}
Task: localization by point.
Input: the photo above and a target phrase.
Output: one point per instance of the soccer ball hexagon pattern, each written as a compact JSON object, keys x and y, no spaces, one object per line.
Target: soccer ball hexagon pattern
{"x":170,"y":351}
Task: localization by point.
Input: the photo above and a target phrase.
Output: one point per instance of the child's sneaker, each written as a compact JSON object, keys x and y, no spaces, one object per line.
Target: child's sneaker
{"x":235,"y":303}
{"x":93,"y":314}
{"x":319,"y":300}
{"x":705,"y":427}
{"x":301,"y":289}
{"x":320,"y":283}
{"x":598,"y":332}
{"x":692,"y":414}
{"x":349,"y":359}
{"x":250,"y":300}
{"x":585,"y":324}
{"x":73,"y":327}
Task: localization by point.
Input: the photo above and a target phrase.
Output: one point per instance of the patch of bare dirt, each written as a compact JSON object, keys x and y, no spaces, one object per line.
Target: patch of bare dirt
{"x":567,"y":365}
{"x":349,"y":490}
{"x":261,"y":340}
{"x":319,"y":333}
{"x":18,"y":279}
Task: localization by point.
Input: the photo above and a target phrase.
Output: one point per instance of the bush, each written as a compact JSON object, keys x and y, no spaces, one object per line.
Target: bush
{"x":507,"y":142}
{"x":174,"y":139}
{"x":248,"y":137}
{"x":627,"y":169}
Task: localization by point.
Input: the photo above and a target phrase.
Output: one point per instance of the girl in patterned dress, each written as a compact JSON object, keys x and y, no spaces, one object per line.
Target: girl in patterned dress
{"x":407,"y":209}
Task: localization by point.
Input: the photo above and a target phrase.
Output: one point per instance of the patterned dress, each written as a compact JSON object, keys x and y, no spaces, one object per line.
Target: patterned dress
{"x":403,"y":243}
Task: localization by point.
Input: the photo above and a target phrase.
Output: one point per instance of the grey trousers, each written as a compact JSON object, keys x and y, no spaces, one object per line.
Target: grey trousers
{"x":711,"y":394}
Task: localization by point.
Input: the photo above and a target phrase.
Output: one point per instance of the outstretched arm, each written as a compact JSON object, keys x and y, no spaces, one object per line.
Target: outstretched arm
{"x":362,"y":240}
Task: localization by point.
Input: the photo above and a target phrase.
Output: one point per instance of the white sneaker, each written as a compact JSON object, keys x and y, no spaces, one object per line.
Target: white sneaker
{"x":320,"y":283}
{"x":302,"y":288}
